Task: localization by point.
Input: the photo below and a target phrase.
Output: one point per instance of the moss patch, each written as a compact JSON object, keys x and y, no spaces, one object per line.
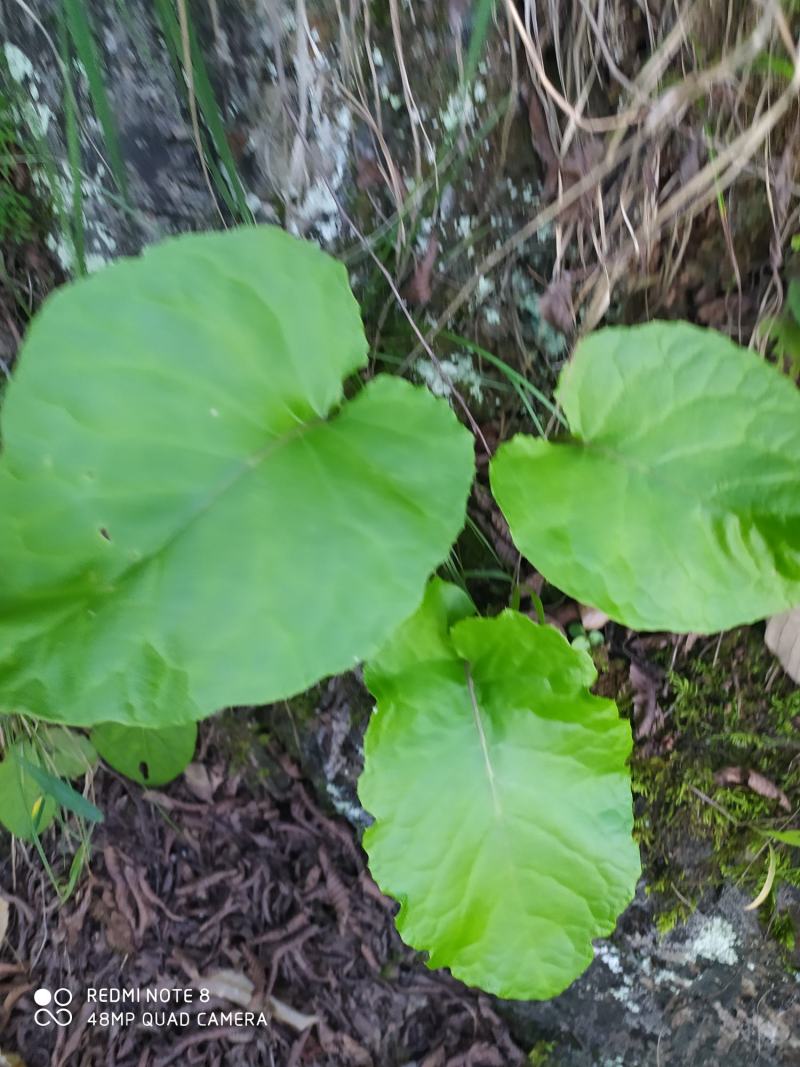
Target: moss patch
{"x":726,"y":707}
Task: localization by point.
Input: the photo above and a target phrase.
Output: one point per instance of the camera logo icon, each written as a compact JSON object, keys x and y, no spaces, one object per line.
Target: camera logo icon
{"x":60,"y":1015}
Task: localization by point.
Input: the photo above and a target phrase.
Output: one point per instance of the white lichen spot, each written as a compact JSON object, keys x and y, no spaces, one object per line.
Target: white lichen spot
{"x":610,"y":957}
{"x":95,"y":261}
{"x":345,"y":807}
{"x":459,"y":112}
{"x":63,"y":250}
{"x":715,"y":941}
{"x":447,"y":202}
{"x":623,"y":995}
{"x":423,"y":236}
{"x":484,"y":287}
{"x":671,"y":979}
{"x":318,"y":207}
{"x":492,"y":316}
{"x":464,"y":226}
{"x":253,"y":203}
{"x":457,"y":372}
{"x":19,"y":66}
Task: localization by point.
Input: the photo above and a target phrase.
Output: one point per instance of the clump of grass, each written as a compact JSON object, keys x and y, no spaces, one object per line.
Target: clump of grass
{"x":47,"y":757}
{"x":17,"y":214}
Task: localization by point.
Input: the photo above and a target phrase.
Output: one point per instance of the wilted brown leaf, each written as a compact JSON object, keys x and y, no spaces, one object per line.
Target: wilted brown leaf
{"x":230,"y":985}
{"x":238,"y":989}
{"x":592,"y":618}
{"x":755,"y":781}
{"x":555,"y":305}
{"x":284,"y":1013}
{"x":647,"y":715}
{"x":783,"y":640}
{"x":418,"y":290}
{"x":199,"y":781}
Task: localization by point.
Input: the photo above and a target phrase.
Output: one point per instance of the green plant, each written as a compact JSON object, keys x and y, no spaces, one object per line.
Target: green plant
{"x":675,"y":503}
{"x":193,"y":518}
{"x":785,"y":329}
{"x":202,"y":505}
{"x":16,"y":214}
{"x":479,"y":724}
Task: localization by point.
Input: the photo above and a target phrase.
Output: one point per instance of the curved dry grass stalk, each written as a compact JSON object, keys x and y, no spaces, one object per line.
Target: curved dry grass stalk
{"x":640,"y":213}
{"x":188,"y":73}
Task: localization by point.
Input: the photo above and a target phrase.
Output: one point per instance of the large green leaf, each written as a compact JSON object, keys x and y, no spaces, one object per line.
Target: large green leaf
{"x":676,"y":503}
{"x":149,"y":757}
{"x":190,"y":516}
{"x":501,"y":797}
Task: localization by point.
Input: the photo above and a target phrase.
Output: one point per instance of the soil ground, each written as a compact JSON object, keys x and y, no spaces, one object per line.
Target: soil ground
{"x":244,"y":883}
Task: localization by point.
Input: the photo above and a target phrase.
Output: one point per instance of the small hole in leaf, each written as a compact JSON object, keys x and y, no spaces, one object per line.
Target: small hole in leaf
{"x":144,"y":770}
{"x":104,"y":533}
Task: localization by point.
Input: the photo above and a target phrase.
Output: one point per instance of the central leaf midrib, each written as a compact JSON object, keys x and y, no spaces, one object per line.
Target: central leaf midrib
{"x":484,"y":745}
{"x":500,"y":831}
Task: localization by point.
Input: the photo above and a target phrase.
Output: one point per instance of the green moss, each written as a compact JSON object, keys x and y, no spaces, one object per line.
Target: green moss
{"x":541,"y":1054}
{"x":695,"y":833}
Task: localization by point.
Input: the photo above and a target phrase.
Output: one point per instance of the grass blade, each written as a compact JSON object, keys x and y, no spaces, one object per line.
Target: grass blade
{"x":519,"y":381}
{"x":228,"y":182}
{"x":80,"y":29}
{"x":61,"y":792}
{"x":71,"y":123}
{"x":480,"y":31}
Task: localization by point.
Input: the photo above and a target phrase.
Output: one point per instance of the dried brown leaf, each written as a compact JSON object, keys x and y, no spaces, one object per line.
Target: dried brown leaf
{"x":555,"y":305}
{"x":783,"y":640}
{"x":418,"y":290}
{"x":647,"y":715}
{"x":229,"y":985}
{"x":592,"y":618}
{"x":298,"y":1020}
{"x":199,"y":781}
{"x":753,"y":780}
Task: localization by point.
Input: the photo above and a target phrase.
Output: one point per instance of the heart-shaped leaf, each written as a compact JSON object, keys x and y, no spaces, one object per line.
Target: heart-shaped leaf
{"x":190,"y":516}
{"x":676,"y":503}
{"x":501,"y":797}
{"x":149,"y":757}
